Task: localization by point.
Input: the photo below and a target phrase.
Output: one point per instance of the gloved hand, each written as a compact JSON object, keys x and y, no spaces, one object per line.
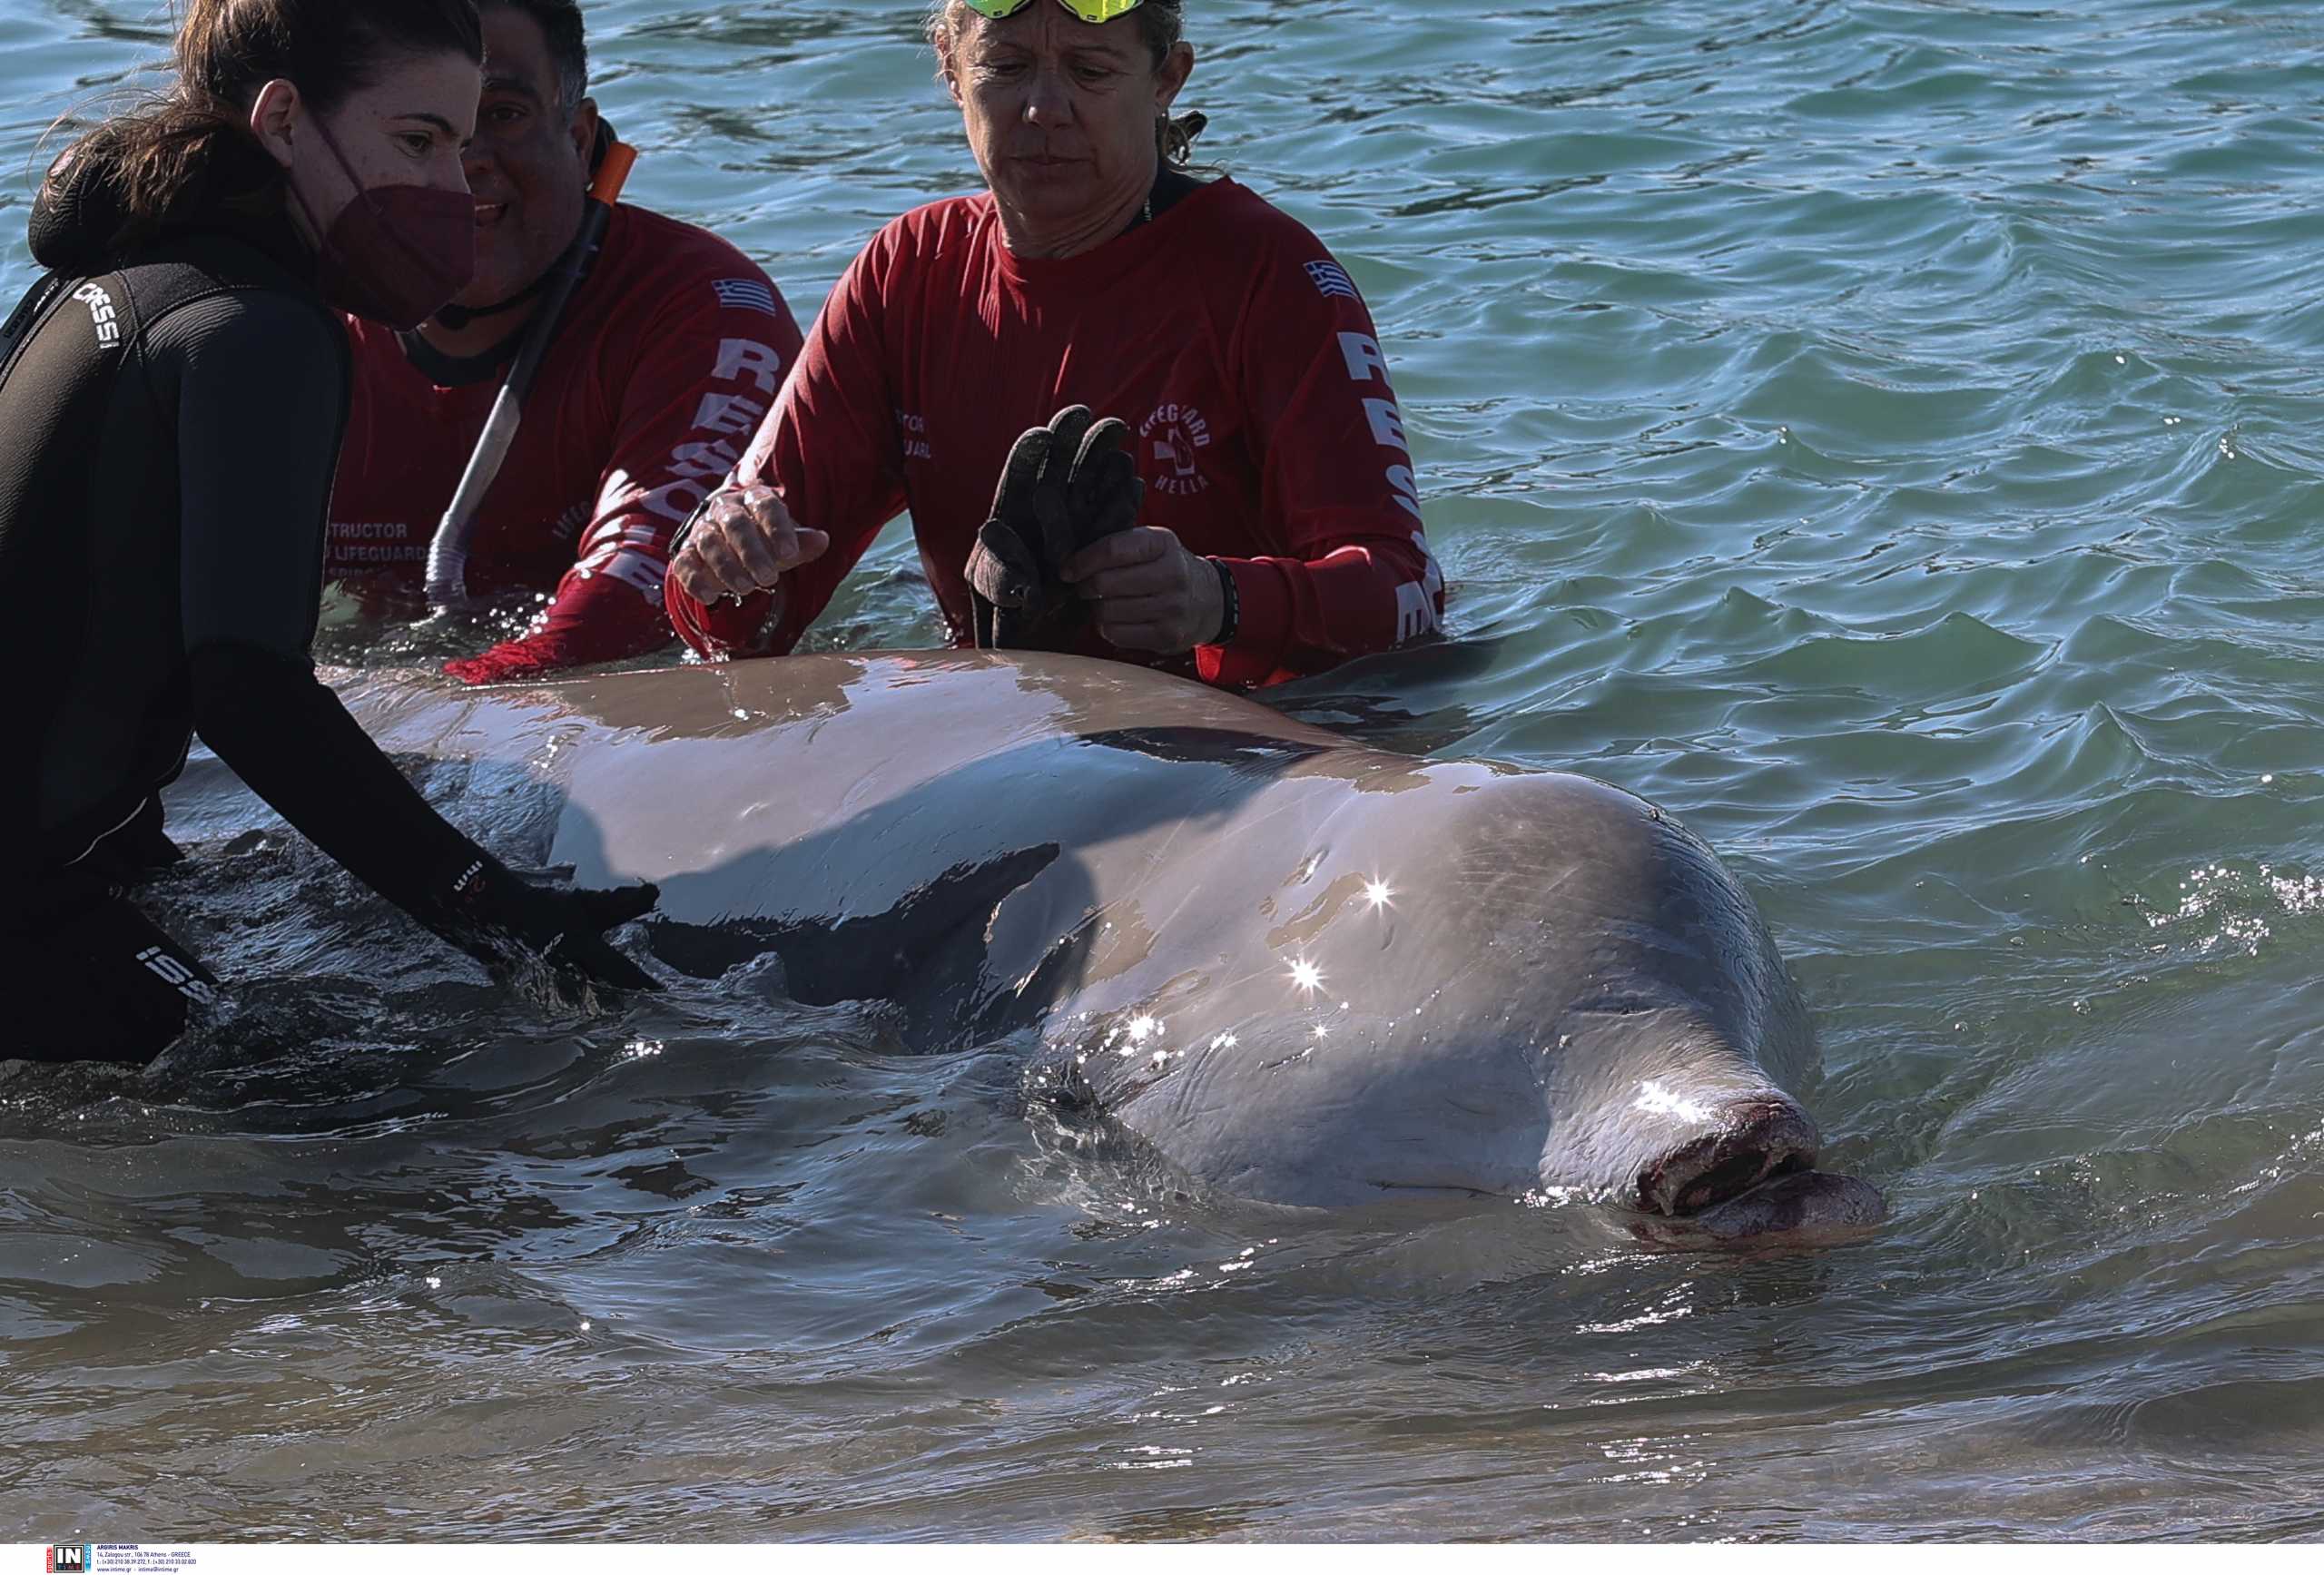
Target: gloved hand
{"x":1065,"y":486}
{"x":503,"y":920}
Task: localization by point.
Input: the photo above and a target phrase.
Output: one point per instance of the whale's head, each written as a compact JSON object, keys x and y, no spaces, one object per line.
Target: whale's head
{"x":1558,"y":994}
{"x":1672,"y":1128}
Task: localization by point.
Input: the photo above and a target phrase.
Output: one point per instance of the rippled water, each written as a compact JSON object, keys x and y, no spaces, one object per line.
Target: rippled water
{"x":1882,"y":433}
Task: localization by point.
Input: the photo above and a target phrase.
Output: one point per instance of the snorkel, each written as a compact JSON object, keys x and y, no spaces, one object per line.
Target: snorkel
{"x":448,"y":554}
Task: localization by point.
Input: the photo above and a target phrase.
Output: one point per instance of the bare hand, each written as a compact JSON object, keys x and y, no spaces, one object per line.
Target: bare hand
{"x":743,"y":542}
{"x":1151,"y":593}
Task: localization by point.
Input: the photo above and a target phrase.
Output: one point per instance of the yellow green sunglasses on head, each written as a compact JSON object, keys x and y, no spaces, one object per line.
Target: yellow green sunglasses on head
{"x":1088,"y":10}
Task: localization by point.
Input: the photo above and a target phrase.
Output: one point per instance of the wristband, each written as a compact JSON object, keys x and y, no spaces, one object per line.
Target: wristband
{"x":685,"y":530}
{"x":1232,"y":624}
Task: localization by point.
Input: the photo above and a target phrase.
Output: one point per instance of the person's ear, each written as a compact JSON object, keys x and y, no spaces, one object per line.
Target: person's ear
{"x":274,"y":119}
{"x":584,"y":134}
{"x":1170,"y":76}
{"x":948,"y":64}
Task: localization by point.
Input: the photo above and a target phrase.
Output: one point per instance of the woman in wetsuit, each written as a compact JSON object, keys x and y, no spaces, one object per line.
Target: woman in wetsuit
{"x":171,"y":399}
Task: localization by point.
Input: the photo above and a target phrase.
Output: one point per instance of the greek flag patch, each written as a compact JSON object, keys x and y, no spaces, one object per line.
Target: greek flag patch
{"x":1332,"y":280}
{"x":749,"y":294}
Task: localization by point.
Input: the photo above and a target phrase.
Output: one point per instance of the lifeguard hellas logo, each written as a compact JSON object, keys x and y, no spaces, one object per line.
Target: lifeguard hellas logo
{"x":1175,"y":436}
{"x":70,"y":1560}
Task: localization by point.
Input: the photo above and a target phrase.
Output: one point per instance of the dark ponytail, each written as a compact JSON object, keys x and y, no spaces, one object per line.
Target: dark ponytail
{"x":1165,"y":26}
{"x":1174,"y":137}
{"x":190,"y":150}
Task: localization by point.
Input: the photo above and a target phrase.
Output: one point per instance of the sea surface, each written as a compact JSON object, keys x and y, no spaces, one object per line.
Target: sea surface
{"x":1886,"y":435}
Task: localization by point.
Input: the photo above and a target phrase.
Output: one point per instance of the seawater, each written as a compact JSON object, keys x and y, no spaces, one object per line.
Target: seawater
{"x":1883,"y":434}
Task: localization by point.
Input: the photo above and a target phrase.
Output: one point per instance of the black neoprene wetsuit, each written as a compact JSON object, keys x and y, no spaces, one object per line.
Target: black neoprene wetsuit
{"x":169,"y":429}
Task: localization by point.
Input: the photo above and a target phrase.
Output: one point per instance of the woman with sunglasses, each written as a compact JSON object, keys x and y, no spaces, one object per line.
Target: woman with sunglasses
{"x":173,"y":396}
{"x":1280,"y":529}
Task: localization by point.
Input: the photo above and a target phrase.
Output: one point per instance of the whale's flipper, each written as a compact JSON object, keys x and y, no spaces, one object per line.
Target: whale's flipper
{"x":927,"y":953}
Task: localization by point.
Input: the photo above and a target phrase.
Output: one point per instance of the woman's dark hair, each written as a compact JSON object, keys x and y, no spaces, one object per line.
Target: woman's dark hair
{"x":1164,"y":23}
{"x":1165,"y":26}
{"x":190,"y":146}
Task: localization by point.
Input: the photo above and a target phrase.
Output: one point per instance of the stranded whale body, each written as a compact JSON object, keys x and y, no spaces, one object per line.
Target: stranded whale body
{"x":1304,"y":971}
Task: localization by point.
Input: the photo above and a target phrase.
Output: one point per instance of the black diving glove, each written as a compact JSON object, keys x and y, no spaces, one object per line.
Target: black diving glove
{"x":1065,"y":486}
{"x":503,"y":920}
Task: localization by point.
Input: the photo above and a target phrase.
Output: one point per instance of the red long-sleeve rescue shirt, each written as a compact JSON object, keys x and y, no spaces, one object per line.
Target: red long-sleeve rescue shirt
{"x":671,"y":353}
{"x":1226,"y":336}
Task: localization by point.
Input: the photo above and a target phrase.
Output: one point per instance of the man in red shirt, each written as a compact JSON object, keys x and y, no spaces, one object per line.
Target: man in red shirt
{"x":671,"y":352}
{"x":1281,"y":529}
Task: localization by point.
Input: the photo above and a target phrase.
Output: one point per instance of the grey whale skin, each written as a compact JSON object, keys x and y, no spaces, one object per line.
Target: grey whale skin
{"x":1305,"y":973}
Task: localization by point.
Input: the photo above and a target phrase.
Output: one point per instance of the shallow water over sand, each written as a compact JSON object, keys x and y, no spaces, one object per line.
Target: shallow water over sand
{"x":1883,"y":435}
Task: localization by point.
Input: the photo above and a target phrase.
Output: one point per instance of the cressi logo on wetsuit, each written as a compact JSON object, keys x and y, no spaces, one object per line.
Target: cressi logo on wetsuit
{"x":173,"y":972}
{"x":107,"y":322}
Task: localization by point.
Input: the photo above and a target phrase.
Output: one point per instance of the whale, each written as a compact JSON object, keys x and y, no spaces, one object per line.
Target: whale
{"x":1300,"y":971}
